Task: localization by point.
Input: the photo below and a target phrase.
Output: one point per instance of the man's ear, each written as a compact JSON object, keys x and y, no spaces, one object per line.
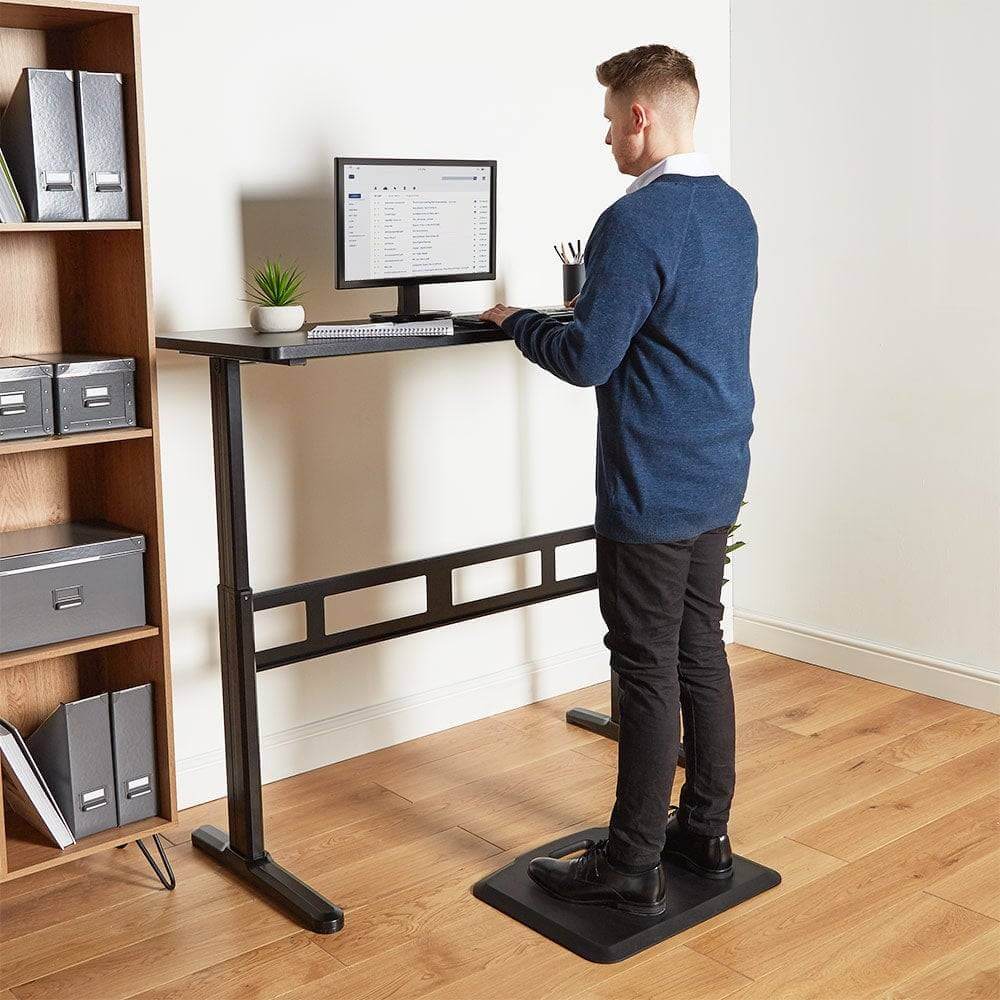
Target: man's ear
{"x":640,"y":120}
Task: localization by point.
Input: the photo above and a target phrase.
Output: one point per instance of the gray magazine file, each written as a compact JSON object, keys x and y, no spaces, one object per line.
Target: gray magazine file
{"x":38,"y":135}
{"x":100,"y":116}
{"x":72,"y":749}
{"x":133,"y":744}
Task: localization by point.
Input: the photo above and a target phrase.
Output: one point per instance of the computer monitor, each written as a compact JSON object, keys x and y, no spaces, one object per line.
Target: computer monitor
{"x":413,"y":222}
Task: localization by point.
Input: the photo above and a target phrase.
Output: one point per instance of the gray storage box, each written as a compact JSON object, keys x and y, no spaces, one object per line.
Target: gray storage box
{"x":25,"y":399}
{"x":72,"y":749}
{"x":133,"y":740}
{"x":68,"y":581}
{"x":92,"y":392}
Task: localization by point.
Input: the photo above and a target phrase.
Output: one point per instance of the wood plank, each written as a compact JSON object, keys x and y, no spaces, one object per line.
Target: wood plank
{"x":390,"y":761}
{"x":261,"y":974}
{"x":882,"y":949}
{"x":975,"y":886}
{"x":761,"y":700}
{"x":552,"y":711}
{"x":767,"y":770}
{"x":73,"y":440}
{"x":369,"y":879}
{"x":943,"y":741}
{"x":78,"y":891}
{"x":413,"y":911}
{"x":811,"y":920}
{"x":39,"y":653}
{"x":91,"y":934}
{"x":502,"y":752}
{"x":687,"y":975}
{"x":761,"y":818}
{"x":486,"y":940}
{"x":970,"y":973}
{"x":815,"y":714}
{"x":566,"y":792}
{"x":189,"y":945}
{"x":872,"y":822}
{"x":291,"y":812}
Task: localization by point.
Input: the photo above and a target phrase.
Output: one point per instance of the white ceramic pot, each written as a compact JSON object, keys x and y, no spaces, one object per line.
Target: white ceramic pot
{"x":277,"y":319}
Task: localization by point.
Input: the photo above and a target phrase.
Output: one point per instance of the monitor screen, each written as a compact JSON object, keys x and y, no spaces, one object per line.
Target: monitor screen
{"x":415,"y":220}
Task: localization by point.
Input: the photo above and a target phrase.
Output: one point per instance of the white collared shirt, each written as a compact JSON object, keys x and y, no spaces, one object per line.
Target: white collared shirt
{"x":692,"y":164}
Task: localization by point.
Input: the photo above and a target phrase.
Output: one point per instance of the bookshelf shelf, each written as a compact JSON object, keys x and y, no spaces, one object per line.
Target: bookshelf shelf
{"x":40,"y":653}
{"x":66,"y":227}
{"x":74,"y":440}
{"x":84,"y":288}
{"x":28,"y":852}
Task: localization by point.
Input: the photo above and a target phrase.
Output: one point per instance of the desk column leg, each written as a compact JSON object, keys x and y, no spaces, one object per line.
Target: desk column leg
{"x":606,"y":725}
{"x":242,"y":850}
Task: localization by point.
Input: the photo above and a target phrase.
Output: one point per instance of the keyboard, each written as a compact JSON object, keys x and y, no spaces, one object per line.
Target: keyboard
{"x":471,"y":321}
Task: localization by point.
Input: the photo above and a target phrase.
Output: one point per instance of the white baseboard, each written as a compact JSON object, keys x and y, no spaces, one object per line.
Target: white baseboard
{"x":962,"y":683}
{"x":202,"y":778}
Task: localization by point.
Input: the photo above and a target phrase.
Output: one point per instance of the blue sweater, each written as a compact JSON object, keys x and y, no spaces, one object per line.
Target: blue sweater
{"x":662,"y":329}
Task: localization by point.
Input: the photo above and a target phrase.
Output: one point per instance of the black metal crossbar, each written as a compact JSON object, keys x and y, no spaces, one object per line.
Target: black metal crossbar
{"x":441,"y":608}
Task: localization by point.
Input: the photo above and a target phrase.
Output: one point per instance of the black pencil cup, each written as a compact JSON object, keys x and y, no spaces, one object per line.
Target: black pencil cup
{"x":573,"y":275}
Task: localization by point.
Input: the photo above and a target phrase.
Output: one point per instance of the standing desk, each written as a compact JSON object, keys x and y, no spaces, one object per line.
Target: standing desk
{"x":242,"y":848}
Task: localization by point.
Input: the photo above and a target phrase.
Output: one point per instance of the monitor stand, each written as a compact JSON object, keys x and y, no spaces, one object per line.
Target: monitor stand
{"x":408,"y":308}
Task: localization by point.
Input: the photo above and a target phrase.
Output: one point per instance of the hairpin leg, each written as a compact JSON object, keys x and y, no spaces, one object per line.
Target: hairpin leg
{"x":169,"y":880}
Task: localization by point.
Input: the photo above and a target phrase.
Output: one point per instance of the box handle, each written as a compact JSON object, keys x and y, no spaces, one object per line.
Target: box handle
{"x":108,"y":181}
{"x":137,"y":787}
{"x":96,"y":395}
{"x":93,"y":800}
{"x":66,"y":598}
{"x":11,"y":403}
{"x":57,"y":180}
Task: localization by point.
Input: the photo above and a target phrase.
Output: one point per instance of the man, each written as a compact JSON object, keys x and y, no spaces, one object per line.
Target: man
{"x":662,"y":329}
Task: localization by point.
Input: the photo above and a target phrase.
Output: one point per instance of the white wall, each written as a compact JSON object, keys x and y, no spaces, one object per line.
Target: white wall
{"x":374,"y":460}
{"x":865,"y":137}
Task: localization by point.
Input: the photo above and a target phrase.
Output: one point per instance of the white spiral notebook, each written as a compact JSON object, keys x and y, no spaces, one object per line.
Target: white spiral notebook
{"x":430,"y":328}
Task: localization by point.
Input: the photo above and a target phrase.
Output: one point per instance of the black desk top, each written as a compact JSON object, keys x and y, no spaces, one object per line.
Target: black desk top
{"x":245,"y":344}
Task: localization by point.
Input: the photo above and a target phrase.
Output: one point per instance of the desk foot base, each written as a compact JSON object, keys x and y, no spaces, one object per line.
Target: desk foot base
{"x":593,"y":722}
{"x":267,"y":877}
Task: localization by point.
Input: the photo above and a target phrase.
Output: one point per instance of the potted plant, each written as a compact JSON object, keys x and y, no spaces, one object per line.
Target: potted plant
{"x":275,"y":289}
{"x":732,"y":546}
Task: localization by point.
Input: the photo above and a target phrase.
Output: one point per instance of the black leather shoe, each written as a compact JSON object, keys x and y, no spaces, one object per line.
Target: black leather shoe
{"x":590,"y":878}
{"x":711,"y":857}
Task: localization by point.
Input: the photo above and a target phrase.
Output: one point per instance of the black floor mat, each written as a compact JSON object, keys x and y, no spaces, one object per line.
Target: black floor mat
{"x":603,"y":934}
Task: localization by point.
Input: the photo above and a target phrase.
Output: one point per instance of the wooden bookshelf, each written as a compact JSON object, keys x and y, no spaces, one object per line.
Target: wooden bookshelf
{"x":84,"y":287}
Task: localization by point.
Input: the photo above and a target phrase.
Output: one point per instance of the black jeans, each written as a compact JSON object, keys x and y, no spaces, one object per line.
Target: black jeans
{"x":662,"y":605}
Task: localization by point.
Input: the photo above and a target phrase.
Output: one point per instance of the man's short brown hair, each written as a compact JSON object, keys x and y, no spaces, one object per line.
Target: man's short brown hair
{"x":651,"y":71}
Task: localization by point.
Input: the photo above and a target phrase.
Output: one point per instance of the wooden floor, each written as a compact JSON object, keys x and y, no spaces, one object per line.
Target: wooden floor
{"x":879,"y":807}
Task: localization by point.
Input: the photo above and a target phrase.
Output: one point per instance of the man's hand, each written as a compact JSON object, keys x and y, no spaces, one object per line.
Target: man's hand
{"x":499,"y":313}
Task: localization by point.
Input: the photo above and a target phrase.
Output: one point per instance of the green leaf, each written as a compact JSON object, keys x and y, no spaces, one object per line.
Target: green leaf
{"x":272,"y":283}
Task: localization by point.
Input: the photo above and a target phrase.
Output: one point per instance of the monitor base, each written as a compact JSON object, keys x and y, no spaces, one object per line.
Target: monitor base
{"x":391,"y":316}
{"x":408,"y":308}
